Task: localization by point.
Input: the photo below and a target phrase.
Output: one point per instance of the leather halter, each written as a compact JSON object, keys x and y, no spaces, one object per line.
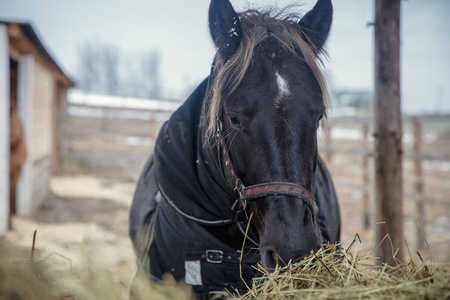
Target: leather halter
{"x":253,"y":192}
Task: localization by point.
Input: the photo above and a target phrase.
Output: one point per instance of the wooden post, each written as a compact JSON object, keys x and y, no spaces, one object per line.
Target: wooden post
{"x":61,"y":140}
{"x":4,"y":130}
{"x":418,"y":183}
{"x":388,"y":131}
{"x":64,"y":141}
{"x":366,"y":177}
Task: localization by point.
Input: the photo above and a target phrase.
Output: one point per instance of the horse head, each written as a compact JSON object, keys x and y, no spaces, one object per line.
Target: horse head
{"x":268,"y":97}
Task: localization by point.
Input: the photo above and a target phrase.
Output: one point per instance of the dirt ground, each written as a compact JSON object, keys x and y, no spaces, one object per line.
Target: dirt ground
{"x":86,"y":213}
{"x":84,"y":218}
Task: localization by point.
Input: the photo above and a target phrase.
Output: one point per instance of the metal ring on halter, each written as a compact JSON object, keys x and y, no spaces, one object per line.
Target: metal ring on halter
{"x":242,"y":200}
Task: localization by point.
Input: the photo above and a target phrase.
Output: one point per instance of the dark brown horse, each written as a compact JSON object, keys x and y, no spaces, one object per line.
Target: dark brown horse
{"x":244,"y":143}
{"x":18,"y":155}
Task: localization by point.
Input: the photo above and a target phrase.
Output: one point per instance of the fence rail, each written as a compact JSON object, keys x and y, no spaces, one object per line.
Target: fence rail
{"x":86,"y":126}
{"x":414,"y":153}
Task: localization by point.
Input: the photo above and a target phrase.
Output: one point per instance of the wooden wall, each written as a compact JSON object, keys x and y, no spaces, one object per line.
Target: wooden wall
{"x":37,"y":97}
{"x":39,"y":86}
{"x":43,"y":102}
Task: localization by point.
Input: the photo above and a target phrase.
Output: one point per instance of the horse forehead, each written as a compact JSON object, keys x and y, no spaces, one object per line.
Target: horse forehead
{"x":283,"y":88}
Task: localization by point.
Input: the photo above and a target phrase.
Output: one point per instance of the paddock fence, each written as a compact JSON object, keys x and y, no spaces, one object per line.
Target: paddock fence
{"x":109,"y":141}
{"x":117,"y":141}
{"x":347,"y":145}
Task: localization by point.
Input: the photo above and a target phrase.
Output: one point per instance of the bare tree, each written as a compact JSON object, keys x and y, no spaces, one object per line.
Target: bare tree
{"x":150,"y":64}
{"x":110,"y":60}
{"x":99,"y":68}
{"x":100,"y":71}
{"x":131,"y":78}
{"x":89,"y":71}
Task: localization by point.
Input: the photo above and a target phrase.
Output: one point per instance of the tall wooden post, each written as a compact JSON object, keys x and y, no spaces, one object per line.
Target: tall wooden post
{"x":366,"y":176}
{"x":388,"y":130}
{"x":418,"y":183}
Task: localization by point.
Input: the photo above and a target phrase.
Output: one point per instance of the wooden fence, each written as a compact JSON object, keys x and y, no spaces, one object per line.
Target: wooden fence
{"x":111,"y":141}
{"x":413,"y":151}
{"x":118,"y":141}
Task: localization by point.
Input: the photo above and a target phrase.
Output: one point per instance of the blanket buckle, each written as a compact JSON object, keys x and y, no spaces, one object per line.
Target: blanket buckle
{"x":214,"y":256}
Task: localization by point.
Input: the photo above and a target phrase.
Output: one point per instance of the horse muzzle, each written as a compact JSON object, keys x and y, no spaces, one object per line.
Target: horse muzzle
{"x":288,"y":235}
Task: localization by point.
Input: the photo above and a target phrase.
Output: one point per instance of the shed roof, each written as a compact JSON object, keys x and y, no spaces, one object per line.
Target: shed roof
{"x":19,"y":31}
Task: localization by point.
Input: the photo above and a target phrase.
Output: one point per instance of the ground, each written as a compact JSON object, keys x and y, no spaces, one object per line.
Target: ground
{"x":84,"y":218}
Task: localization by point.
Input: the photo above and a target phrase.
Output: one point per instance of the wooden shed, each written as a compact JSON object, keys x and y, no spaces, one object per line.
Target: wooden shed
{"x":30,"y":78}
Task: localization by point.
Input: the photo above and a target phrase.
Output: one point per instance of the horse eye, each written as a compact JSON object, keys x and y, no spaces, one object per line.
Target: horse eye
{"x":234,"y":120}
{"x":321,"y":116}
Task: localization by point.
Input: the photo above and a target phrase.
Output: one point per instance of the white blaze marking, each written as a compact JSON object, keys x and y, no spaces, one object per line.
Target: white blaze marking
{"x":283,"y":89}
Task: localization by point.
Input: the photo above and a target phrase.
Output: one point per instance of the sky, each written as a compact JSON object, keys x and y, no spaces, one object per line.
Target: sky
{"x":178,"y":29}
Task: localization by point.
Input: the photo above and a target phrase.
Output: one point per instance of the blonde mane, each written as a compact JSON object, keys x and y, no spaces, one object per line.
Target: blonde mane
{"x":257,"y":27}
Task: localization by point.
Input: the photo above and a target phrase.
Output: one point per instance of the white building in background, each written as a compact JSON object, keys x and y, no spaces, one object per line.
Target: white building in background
{"x":85,"y":104}
{"x":30,"y":77}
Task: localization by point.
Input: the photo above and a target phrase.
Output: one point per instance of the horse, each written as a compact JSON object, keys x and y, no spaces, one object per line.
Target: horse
{"x":18,"y":155}
{"x":235,"y":178}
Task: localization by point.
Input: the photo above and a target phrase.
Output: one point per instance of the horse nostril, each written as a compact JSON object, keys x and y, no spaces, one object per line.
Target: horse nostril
{"x":269,"y":259}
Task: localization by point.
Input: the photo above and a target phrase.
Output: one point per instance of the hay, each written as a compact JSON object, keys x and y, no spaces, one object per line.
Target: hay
{"x":338,"y":273}
{"x":332,"y":273}
{"x":25,"y":277}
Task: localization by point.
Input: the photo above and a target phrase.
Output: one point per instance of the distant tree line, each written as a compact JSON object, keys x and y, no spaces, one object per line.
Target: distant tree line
{"x":101,"y":69}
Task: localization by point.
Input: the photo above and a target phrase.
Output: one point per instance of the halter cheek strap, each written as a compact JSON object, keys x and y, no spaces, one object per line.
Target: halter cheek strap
{"x":261,"y":190}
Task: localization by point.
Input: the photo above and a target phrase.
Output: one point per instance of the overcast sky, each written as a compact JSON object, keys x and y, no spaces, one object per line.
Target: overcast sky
{"x":179,"y":30}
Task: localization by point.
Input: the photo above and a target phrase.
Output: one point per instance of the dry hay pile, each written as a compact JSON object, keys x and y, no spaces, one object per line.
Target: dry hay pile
{"x":25,"y":276}
{"x":22,"y":280}
{"x":338,"y":273}
{"x":334,"y":273}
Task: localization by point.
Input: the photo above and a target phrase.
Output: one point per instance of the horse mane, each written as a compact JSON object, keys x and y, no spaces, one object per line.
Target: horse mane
{"x":258,"y":26}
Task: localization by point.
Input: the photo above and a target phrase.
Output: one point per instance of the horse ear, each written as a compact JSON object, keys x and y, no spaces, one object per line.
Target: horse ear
{"x":225,"y":27}
{"x":316,"y":24}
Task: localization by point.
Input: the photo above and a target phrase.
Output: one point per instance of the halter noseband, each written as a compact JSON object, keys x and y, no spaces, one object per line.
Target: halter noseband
{"x":261,"y":190}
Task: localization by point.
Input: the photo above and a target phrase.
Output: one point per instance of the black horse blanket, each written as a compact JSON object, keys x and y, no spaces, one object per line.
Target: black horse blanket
{"x":182,"y":189}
